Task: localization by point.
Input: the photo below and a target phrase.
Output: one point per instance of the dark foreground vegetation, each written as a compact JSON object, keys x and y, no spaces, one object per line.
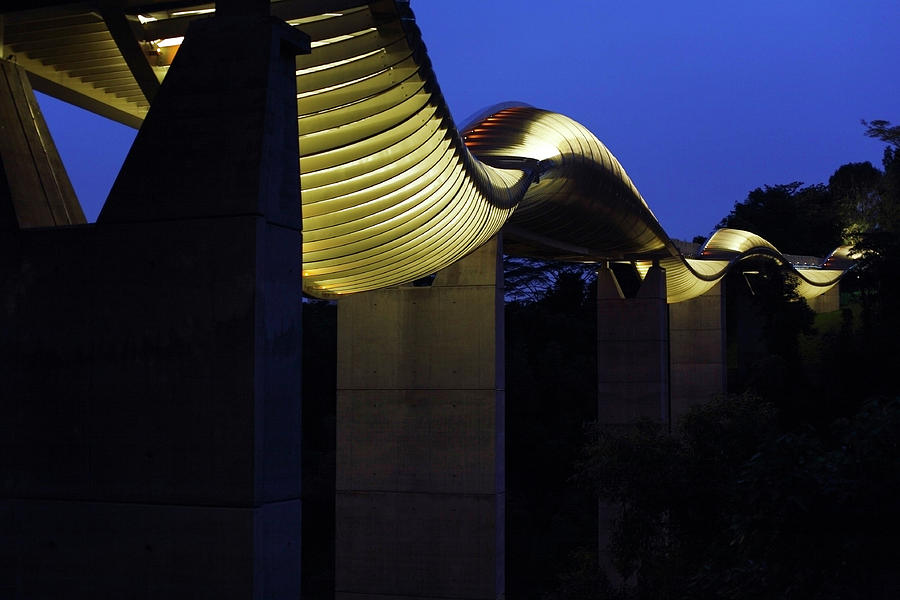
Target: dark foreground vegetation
{"x":788,"y":487}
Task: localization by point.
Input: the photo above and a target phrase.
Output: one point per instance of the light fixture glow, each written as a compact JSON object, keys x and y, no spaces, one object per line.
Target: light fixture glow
{"x":318,"y":68}
{"x":198,"y":11}
{"x":341,"y":38}
{"x":169,"y":42}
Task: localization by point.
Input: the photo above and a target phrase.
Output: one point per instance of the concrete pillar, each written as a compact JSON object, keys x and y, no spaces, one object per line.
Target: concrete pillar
{"x":830,"y":301}
{"x":697,"y":350}
{"x":632,"y":349}
{"x":35,"y":190}
{"x":633,"y":369}
{"x":150,"y":425}
{"x":420,"y":501}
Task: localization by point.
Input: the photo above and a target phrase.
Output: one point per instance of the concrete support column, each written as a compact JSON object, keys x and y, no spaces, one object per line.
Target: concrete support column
{"x":697,"y":350}
{"x":150,"y":424}
{"x":632,"y":349}
{"x":633,"y":368}
{"x":830,"y":301}
{"x":420,"y":501}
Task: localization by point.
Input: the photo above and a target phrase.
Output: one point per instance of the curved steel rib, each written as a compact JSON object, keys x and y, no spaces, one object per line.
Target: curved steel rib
{"x":389,"y":191}
{"x":392,"y":192}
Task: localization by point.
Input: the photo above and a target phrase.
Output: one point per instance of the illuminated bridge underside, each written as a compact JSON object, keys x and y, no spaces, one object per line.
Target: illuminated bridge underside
{"x":391,"y":190}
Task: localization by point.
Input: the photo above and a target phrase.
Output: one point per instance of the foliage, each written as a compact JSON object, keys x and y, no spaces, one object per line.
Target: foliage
{"x":858,"y":201}
{"x":788,"y":491}
{"x":551,"y":376}
{"x":795,"y":219}
{"x":766,"y":320}
{"x":528,"y":280}
{"x":878,"y":267}
{"x":785,"y":313}
{"x":864,"y":203}
{"x":581,"y":579}
{"x":817,"y":510}
{"x":882,"y":130}
{"x":670,"y":489}
{"x":855,"y":185}
{"x":734,"y":507}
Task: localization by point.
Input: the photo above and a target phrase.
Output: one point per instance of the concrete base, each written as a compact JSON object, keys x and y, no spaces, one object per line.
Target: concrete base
{"x":420,"y":506}
{"x":697,"y":351}
{"x":152,"y":401}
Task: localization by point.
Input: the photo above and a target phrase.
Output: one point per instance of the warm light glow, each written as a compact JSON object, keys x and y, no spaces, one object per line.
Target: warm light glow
{"x":337,"y":86}
{"x":392,"y":192}
{"x":341,"y":38}
{"x":199,"y":11}
{"x":326,"y":16}
{"x":337,"y":63}
{"x":169,"y":42}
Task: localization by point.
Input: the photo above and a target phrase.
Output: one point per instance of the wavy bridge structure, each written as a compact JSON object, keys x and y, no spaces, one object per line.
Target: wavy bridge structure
{"x":152,"y":441}
{"x":391,"y":189}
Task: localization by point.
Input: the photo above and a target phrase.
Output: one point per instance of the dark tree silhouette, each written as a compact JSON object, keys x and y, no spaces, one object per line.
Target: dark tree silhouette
{"x":787,"y":492}
{"x":551,"y":379}
{"x":796,"y":219}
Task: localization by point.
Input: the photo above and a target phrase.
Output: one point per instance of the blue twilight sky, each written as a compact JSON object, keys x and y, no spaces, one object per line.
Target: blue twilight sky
{"x":701,"y":101}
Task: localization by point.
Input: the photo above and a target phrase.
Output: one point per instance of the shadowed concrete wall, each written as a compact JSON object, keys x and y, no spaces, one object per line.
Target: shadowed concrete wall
{"x":632,"y":349}
{"x":150,"y":434}
{"x":697,"y":351}
{"x":420,"y":505}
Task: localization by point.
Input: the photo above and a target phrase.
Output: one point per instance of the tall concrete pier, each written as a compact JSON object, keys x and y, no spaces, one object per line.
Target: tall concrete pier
{"x":656,"y":360}
{"x":632,"y":349}
{"x":420,"y":506}
{"x":150,"y":419}
{"x":697,"y":360}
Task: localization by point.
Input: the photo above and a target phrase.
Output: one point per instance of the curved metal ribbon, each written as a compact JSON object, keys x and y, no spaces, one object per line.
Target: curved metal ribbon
{"x":392,"y":191}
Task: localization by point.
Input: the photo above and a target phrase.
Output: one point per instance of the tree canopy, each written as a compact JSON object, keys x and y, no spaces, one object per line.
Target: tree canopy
{"x":787,"y":487}
{"x":734,"y":507}
{"x":858,"y":202}
{"x":796,"y":219}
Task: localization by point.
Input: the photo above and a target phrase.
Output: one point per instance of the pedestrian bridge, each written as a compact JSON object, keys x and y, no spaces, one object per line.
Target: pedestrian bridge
{"x":153,"y":360}
{"x":392,"y":190}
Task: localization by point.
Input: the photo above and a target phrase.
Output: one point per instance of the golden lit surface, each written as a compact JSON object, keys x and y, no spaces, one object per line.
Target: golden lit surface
{"x":688,"y":278}
{"x":390,"y":194}
{"x":391,"y":190}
